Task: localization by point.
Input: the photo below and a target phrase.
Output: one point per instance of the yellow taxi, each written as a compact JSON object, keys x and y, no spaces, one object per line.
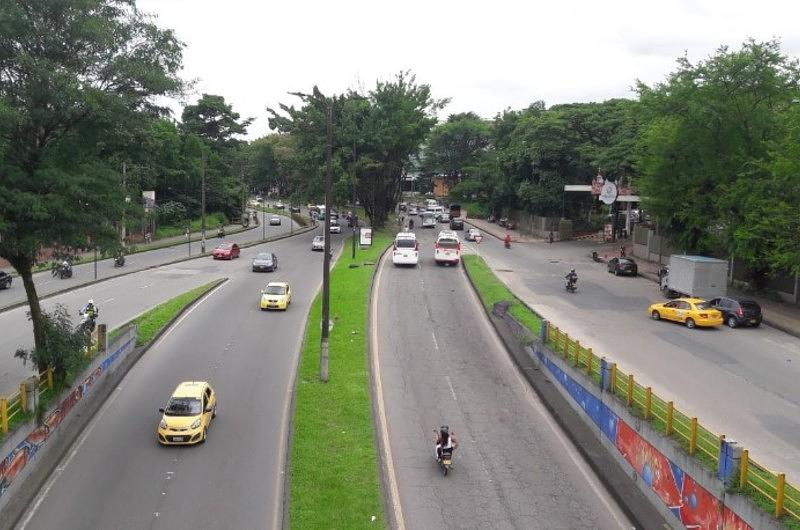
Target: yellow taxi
{"x":693,"y":312}
{"x":188,"y":413}
{"x":276,"y":295}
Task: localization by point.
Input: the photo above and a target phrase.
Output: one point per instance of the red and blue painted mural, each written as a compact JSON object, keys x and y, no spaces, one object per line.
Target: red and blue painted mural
{"x":694,"y":506}
{"x":25,"y":451}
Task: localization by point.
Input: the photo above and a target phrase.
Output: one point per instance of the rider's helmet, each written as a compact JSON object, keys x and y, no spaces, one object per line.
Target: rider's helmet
{"x":91,"y":302}
{"x":572,"y":271}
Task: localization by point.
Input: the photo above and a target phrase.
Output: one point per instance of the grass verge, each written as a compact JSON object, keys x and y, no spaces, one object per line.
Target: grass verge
{"x":153,"y":320}
{"x":213,"y":220}
{"x":334,"y":470}
{"x":492,"y":290}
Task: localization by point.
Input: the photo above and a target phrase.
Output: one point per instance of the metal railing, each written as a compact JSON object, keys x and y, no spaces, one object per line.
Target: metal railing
{"x":13,"y":408}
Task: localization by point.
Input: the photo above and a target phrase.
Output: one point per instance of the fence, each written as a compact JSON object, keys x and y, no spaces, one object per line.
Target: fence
{"x":767,"y":487}
{"x":14,"y":408}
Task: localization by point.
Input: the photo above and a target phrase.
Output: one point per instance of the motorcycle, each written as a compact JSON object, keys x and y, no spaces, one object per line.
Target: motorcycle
{"x":446,"y":461}
{"x":220,"y":233}
{"x":491,"y":219}
{"x":507,"y":242}
{"x":62,"y":271}
{"x":119,"y":261}
{"x":88,"y":321}
{"x":571,"y":284}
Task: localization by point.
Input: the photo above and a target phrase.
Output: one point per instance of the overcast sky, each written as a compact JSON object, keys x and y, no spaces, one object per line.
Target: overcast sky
{"x":485,"y":56}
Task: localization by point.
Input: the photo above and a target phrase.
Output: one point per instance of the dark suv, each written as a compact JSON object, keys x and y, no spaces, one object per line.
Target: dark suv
{"x":738,"y":311}
{"x":5,"y":280}
{"x":456,"y":224}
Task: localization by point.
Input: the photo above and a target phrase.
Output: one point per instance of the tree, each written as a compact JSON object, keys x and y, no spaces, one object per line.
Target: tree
{"x":455,"y":148}
{"x":72,"y":73}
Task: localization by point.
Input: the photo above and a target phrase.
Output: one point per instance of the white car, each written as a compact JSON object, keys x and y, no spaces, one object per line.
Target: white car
{"x":279,"y":205}
{"x":274,"y":220}
{"x":318,"y":243}
{"x":413,"y":211}
{"x":472,"y":233}
{"x":447,"y":233}
{"x":444,"y":217}
{"x":406,"y":249}
{"x":428,"y":221}
{"x":447,"y":250}
{"x":335,"y":228}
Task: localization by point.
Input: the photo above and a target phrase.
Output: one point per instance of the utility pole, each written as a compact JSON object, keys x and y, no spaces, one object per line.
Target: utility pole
{"x":354,"y":217}
{"x":326,"y":259}
{"x":203,"y":207}
{"x":125,"y":199}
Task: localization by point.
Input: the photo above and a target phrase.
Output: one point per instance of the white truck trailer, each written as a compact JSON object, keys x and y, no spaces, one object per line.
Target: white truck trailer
{"x":695,"y":276}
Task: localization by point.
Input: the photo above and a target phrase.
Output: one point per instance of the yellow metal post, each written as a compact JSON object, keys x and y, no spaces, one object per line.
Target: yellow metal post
{"x":743,"y":463}
{"x":693,"y":437}
{"x":4,"y":415}
{"x":648,"y":402}
{"x":566,"y":345}
{"x":630,"y":389}
{"x":780,"y":491}
{"x":577,"y":345}
{"x":670,"y":411}
{"x":23,"y":398}
{"x":50,"y":378}
{"x":614,"y":378}
{"x":589,"y":359}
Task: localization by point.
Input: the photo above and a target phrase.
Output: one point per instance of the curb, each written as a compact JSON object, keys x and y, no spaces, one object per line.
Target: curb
{"x":15,"y":305}
{"x":21,"y":499}
{"x":630,"y":500}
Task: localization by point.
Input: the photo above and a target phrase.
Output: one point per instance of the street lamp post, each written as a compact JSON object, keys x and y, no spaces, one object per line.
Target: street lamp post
{"x":353,"y":217}
{"x":203,"y":207}
{"x":326,"y":259}
{"x":263,"y":223}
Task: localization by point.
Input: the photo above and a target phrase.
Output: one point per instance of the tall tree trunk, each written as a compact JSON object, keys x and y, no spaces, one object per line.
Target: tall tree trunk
{"x":24,"y":266}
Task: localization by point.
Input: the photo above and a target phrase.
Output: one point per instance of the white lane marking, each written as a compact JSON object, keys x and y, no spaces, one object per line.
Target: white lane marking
{"x":189,"y":312}
{"x":536,"y":403}
{"x":109,"y":300}
{"x":376,"y":371}
{"x":145,"y":286}
{"x":450,"y":384}
{"x":435,"y":343}
{"x":60,"y":469}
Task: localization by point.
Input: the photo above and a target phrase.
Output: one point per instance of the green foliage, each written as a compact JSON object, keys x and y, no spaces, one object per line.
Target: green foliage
{"x":63,"y":347}
{"x":338,"y":487}
{"x":171,"y":213}
{"x":455,"y":148}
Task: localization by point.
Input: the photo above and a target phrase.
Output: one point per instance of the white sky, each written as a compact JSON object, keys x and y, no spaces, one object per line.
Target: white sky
{"x":485,"y":56}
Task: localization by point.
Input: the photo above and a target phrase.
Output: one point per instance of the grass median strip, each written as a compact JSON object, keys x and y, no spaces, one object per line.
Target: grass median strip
{"x":492,"y":290}
{"x":152,"y":321}
{"x":334,"y":470}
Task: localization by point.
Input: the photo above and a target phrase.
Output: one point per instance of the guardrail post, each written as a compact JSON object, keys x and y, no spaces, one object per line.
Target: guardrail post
{"x":693,"y":436}
{"x":23,"y":398}
{"x":4,"y":415}
{"x":670,"y":413}
{"x":743,"y":464}
{"x":555,"y":339}
{"x":577,"y":345}
{"x":49,"y":378}
{"x":566,"y":345}
{"x":630,"y":390}
{"x":780,"y":491}
{"x":648,"y":402}
{"x":613,"y":378}
{"x":589,"y":359}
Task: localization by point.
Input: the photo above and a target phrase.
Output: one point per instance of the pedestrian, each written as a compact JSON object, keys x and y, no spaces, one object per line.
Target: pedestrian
{"x":550,"y":237}
{"x":622,"y":251}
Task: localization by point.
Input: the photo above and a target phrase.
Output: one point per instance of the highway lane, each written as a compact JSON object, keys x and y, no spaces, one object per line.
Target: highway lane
{"x":119,"y":299}
{"x":83,"y":273}
{"x":739,"y":382}
{"x":234,"y":480}
{"x":442,"y":363}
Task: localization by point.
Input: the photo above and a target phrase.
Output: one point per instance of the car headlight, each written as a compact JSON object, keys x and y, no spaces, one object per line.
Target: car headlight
{"x":163,"y":424}
{"x":195,"y":424}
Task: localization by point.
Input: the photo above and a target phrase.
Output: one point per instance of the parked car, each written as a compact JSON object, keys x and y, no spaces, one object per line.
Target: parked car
{"x":406,"y":249}
{"x":318,"y":243}
{"x":471,"y":233}
{"x":275,"y":220}
{"x":738,"y":311}
{"x":335,"y":227}
{"x":620,"y":266}
{"x":265,"y":262}
{"x":226,"y":251}
{"x":279,"y":205}
{"x":447,"y":249}
{"x":693,"y":312}
{"x":5,"y":280}
{"x":188,"y":414}
{"x":276,"y":295}
{"x":294,"y":209}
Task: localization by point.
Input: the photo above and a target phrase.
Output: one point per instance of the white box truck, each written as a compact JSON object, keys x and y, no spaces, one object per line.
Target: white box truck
{"x":695,"y":276}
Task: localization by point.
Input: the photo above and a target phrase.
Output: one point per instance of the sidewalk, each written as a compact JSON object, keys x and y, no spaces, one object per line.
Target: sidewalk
{"x":779,"y":315}
{"x":500,"y":233}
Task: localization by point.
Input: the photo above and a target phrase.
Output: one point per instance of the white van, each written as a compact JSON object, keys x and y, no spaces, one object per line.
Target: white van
{"x":428,"y":220}
{"x":447,"y":249}
{"x":431,"y":203}
{"x":406,"y":249}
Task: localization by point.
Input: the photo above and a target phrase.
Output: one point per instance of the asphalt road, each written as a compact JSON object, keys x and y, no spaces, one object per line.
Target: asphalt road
{"x":118,"y":477}
{"x":739,"y":382}
{"x":83,"y":273}
{"x":442,"y":363}
{"x":119,"y":299}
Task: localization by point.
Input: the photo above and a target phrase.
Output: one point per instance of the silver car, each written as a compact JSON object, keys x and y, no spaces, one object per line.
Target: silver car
{"x":265,"y":262}
{"x":274,"y":220}
{"x":472,"y":233}
{"x":318,"y":243}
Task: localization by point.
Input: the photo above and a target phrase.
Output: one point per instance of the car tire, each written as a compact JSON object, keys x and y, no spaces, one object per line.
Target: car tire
{"x":732,"y":322}
{"x":756,"y":324}
{"x":655,"y":315}
{"x":205,"y":435}
{"x":616,"y":272}
{"x":690,"y":323}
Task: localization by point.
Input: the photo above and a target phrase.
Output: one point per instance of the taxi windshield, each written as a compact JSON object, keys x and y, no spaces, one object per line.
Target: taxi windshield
{"x":275,"y":289}
{"x":181,"y":406}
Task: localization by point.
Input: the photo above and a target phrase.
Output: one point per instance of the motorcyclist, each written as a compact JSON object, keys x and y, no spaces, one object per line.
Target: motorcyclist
{"x":507,"y":240}
{"x":90,"y":310}
{"x":119,"y":261}
{"x":572,"y":277}
{"x":445,"y":440}
{"x":221,"y":231}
